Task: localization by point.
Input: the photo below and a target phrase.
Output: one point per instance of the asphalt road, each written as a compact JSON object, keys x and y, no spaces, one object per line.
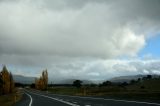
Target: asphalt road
{"x":37,"y":98}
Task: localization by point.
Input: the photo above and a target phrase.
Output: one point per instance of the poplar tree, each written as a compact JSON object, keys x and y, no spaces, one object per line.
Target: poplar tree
{"x":11,"y":83}
{"x":6,"y":80}
{"x":1,"y":83}
{"x":42,"y":82}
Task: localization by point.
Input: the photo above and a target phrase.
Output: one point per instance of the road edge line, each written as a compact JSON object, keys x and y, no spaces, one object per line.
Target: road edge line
{"x":30,"y":104}
{"x":62,"y":101}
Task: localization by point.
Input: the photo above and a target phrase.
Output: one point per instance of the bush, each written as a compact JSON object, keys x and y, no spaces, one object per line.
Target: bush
{"x":142,"y":87}
{"x":77,"y":83}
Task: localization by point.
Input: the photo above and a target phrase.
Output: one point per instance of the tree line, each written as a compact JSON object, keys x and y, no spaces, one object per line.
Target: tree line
{"x":131,"y":82}
{"x":6,"y":81}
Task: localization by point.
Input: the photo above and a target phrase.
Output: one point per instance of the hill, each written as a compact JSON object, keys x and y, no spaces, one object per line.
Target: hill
{"x":129,"y":78}
{"x":23,"y":79}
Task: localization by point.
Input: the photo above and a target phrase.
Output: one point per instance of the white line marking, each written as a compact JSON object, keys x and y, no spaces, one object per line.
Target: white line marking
{"x":30,"y":104}
{"x":71,"y":104}
{"x":138,"y":102}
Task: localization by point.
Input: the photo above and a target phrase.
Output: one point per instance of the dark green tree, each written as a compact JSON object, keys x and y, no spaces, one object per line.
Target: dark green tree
{"x":124,"y":84}
{"x":139,"y":80}
{"x":32,"y":85}
{"x":132,"y":81}
{"x":77,"y":83}
{"x":149,"y":76}
{"x":107,"y":83}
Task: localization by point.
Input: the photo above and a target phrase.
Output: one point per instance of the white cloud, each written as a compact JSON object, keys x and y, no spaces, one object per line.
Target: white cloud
{"x":75,"y":38}
{"x":156,"y":72}
{"x":92,"y":30}
{"x":145,"y":71}
{"x":103,"y":69}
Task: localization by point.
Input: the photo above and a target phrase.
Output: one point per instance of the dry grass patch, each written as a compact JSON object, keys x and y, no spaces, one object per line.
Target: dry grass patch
{"x":10,"y":99}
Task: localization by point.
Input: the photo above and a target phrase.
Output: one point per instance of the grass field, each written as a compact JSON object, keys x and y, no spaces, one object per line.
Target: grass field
{"x":143,"y":90}
{"x":10,"y":99}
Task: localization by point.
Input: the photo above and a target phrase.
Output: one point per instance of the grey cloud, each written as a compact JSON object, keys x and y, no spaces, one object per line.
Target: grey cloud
{"x":96,"y":29}
{"x":70,"y":36}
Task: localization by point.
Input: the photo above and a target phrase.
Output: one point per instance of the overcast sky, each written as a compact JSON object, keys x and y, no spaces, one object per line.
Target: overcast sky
{"x":84,"y":39}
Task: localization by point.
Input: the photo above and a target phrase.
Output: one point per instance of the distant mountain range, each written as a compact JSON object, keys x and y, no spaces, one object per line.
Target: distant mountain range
{"x":23,"y":79}
{"x":129,"y":78}
{"x":29,"y":80}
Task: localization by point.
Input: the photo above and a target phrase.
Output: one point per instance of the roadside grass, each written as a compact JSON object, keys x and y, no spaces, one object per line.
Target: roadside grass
{"x":10,"y":99}
{"x":151,"y":85}
{"x":148,"y":90}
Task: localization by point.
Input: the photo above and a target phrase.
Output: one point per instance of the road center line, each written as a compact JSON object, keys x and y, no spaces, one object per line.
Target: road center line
{"x":71,"y":104}
{"x":138,"y":102}
{"x":30,"y":104}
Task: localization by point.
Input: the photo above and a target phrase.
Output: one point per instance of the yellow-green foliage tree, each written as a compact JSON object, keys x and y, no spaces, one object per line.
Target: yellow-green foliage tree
{"x":8,"y":82}
{"x":45,"y":79}
{"x":1,"y":83}
{"x":11,"y":83}
{"x":42,"y":82}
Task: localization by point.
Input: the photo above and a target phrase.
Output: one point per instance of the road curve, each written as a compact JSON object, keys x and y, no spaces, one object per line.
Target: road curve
{"x":37,"y":98}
